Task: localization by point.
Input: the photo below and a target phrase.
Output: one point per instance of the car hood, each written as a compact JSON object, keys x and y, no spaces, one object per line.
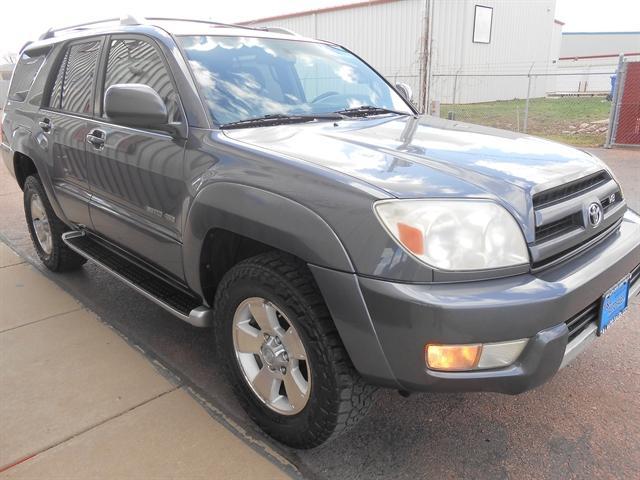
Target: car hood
{"x":430,"y":157}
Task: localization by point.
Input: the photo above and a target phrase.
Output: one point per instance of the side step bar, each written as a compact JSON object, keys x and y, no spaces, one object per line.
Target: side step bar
{"x":182,"y":304}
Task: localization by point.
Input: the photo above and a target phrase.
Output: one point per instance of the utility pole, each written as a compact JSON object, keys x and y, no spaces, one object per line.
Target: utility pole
{"x":425,"y":57}
{"x":526,"y":105}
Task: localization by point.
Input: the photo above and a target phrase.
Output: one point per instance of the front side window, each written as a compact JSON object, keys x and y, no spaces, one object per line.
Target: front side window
{"x":25,"y":73}
{"x":136,"y":61}
{"x":246,"y":77}
{"x":72,"y":89}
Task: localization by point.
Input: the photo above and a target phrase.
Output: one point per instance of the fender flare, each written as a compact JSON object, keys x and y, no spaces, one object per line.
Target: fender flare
{"x":23,"y":141}
{"x":263,"y":216}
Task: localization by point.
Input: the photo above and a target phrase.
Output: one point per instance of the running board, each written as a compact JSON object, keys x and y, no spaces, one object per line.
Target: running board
{"x":183,"y":305}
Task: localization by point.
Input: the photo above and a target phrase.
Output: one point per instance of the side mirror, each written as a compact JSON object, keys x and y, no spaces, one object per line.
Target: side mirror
{"x":405,"y":91}
{"x":135,"y":105}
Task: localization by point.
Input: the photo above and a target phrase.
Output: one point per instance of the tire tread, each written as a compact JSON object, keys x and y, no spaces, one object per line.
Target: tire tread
{"x":353,"y":397}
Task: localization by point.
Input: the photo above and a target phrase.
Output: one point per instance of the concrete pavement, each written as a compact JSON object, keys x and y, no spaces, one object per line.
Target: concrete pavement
{"x":78,"y":402}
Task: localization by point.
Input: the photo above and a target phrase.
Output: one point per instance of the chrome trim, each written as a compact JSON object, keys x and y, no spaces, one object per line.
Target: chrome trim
{"x":634,"y":289}
{"x":578,"y":344}
{"x":198,"y":317}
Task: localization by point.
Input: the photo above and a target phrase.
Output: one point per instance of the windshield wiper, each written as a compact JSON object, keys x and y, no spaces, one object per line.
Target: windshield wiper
{"x":367,"y":110}
{"x":282,"y":119}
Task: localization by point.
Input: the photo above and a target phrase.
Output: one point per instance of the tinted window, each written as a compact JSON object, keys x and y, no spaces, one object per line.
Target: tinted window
{"x":79,"y":73}
{"x":24,"y":75}
{"x":245,"y":77}
{"x":56,"y":92}
{"x":137,"y":61}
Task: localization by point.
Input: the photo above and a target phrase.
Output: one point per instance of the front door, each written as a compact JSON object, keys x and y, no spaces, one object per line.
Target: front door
{"x":136,"y":175}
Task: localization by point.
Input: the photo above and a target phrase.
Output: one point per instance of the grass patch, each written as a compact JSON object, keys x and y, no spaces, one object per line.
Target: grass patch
{"x":558,"y":119}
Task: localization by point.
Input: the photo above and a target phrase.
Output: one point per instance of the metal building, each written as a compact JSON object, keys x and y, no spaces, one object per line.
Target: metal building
{"x":444,"y":49}
{"x":594,"y":56}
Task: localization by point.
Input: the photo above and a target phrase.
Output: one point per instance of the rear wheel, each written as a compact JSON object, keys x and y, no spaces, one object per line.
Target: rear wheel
{"x":283,"y":355}
{"x":46,"y":229}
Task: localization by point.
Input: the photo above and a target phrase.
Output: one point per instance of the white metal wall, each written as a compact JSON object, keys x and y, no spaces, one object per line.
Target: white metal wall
{"x":593,"y":75}
{"x":389,"y":37}
{"x":588,"y":75}
{"x":585,"y":44}
{"x":521,"y":42}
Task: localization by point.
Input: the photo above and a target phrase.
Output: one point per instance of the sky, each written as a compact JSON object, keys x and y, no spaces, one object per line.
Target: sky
{"x":20,"y":24}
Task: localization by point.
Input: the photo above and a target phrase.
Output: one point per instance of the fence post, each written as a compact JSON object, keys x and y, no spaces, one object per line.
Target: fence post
{"x":526,"y":104}
{"x":614,"y":104}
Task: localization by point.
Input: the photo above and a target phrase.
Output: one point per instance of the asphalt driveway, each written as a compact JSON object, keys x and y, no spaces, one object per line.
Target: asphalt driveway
{"x":584,"y":423}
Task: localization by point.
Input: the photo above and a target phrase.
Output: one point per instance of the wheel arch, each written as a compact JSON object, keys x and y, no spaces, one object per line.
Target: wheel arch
{"x":261,"y":220}
{"x":23,"y":166}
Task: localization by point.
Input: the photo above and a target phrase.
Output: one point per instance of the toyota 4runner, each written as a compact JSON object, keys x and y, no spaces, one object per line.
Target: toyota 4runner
{"x":278,"y":189}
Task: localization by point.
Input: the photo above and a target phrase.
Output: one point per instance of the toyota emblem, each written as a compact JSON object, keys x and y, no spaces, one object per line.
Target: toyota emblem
{"x":595,"y":214}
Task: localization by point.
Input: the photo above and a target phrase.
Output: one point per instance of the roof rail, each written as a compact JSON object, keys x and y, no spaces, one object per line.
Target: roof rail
{"x":209,"y":22}
{"x":125,"y":20}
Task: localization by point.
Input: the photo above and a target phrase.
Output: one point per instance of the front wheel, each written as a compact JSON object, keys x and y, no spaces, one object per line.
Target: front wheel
{"x":283,"y":355}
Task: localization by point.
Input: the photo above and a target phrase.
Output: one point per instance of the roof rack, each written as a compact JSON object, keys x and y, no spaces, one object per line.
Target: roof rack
{"x":131,"y":20}
{"x":283,"y":30}
{"x":125,"y":20}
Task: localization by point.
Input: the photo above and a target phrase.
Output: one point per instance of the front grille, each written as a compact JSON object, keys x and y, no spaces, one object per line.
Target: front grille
{"x":557,"y":228}
{"x":562,"y":226}
{"x":571,"y":189}
{"x":579,"y":322}
{"x":584,"y":245}
{"x":610,"y":201}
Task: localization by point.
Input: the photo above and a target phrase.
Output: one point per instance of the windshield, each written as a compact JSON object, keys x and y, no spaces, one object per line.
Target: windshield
{"x":243,"y":78}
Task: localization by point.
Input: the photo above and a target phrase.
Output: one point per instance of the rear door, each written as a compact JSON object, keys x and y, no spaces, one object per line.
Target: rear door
{"x":136,"y":175}
{"x":64,"y":123}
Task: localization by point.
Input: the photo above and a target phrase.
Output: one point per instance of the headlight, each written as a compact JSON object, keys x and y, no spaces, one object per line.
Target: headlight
{"x":455,"y":234}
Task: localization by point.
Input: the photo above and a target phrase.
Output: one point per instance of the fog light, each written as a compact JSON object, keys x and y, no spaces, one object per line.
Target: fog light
{"x":476,"y":356}
{"x":453,"y":357}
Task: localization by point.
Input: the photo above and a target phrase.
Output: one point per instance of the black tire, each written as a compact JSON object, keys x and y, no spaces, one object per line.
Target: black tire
{"x":61,"y":258}
{"x":339,"y":397}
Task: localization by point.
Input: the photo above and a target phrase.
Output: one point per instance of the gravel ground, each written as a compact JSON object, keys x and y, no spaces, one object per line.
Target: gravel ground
{"x":584,"y":423}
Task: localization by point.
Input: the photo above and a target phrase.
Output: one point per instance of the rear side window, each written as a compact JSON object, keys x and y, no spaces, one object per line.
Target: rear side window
{"x":137,"y":61}
{"x":24,"y":75}
{"x":73,"y":86}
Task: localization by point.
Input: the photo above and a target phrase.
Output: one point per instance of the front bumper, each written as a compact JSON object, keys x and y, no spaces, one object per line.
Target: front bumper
{"x":386,"y":341}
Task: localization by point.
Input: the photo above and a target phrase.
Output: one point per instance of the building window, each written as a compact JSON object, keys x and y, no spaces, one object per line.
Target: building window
{"x":482,"y":24}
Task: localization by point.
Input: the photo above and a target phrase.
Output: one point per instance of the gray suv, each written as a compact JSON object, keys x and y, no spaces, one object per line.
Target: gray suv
{"x":278,"y":189}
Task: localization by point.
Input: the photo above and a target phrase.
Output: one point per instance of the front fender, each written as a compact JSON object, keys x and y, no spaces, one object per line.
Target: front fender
{"x":262,"y":216}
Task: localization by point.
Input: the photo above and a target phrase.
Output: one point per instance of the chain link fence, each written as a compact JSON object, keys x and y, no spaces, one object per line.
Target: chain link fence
{"x":625,"y":111}
{"x":571,"y":107}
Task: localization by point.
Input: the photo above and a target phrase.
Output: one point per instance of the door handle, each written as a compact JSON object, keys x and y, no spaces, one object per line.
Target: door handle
{"x":45,"y":125}
{"x":96,"y":137}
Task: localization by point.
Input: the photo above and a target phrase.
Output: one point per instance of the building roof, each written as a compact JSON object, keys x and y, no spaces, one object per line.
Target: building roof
{"x":335,"y":8}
